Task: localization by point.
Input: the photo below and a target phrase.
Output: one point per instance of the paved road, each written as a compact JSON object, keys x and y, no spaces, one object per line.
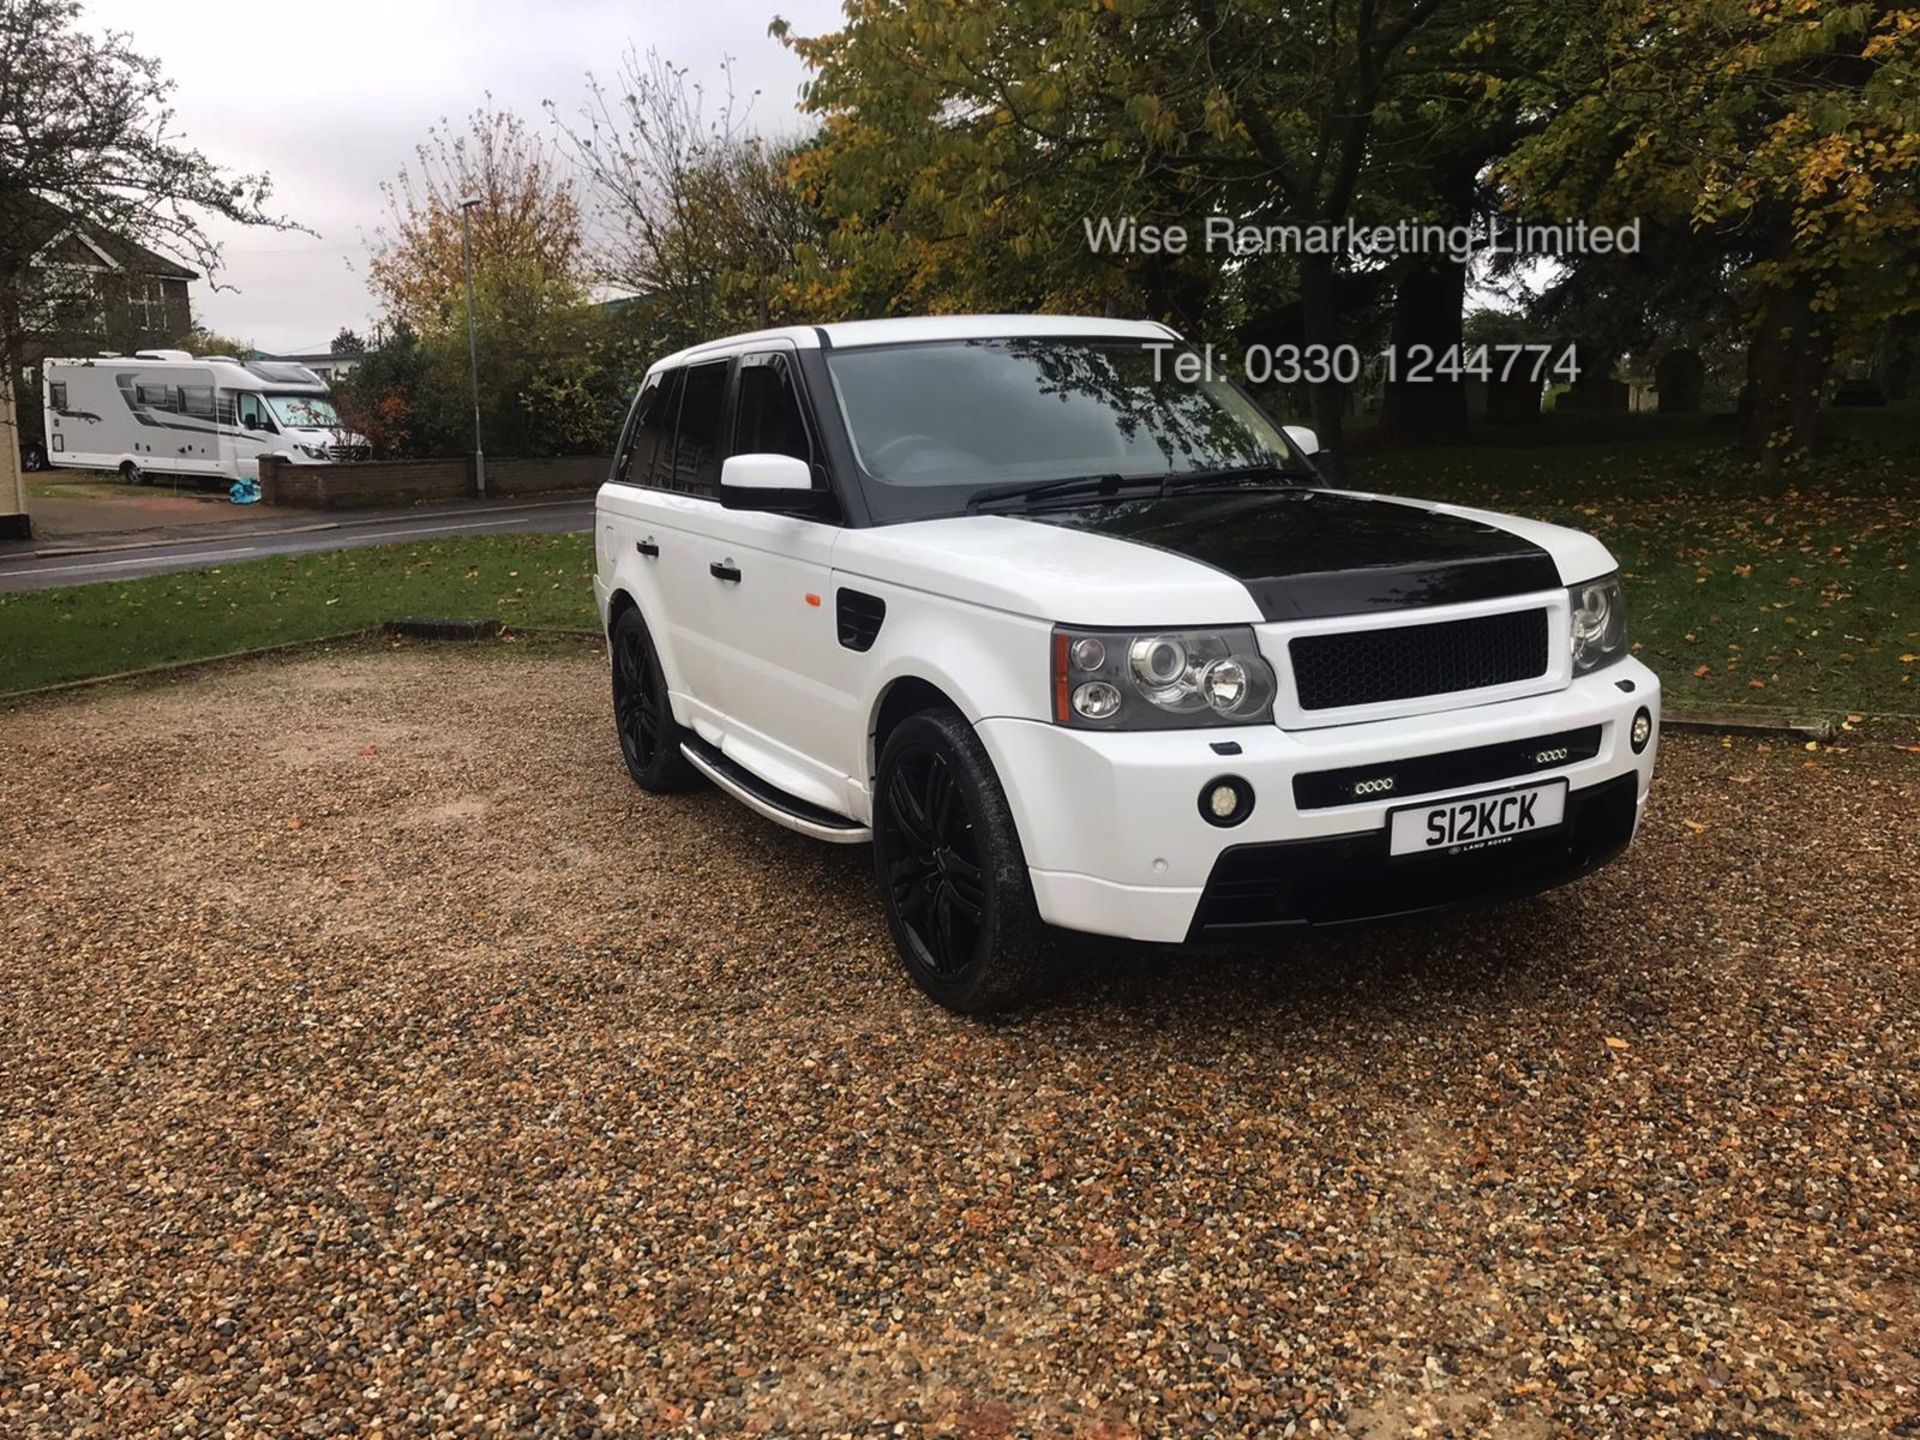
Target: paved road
{"x":46,"y":571}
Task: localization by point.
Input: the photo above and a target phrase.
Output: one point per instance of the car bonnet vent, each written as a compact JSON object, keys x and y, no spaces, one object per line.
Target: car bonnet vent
{"x":859,"y":615}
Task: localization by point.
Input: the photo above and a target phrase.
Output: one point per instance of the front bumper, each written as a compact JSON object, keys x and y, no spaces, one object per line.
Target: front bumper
{"x":1116,"y":845}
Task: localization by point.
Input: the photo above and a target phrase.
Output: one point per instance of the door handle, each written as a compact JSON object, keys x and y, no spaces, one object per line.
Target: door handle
{"x":647,"y":548}
{"x":725,"y":570}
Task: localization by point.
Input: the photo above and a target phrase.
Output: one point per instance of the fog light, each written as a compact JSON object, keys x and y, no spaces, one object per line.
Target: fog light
{"x":1226,"y":801}
{"x":1642,"y":730}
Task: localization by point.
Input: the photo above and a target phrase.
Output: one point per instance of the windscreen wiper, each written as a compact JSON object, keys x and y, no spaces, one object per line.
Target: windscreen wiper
{"x":1028,"y":492}
{"x":1239,"y":475}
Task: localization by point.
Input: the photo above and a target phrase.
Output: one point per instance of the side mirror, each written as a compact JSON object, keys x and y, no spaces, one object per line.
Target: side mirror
{"x":764,"y":482}
{"x":1307,"y":442}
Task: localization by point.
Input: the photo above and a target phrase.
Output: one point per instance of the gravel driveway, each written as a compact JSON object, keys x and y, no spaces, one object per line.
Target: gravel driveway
{"x":374,"y":1060}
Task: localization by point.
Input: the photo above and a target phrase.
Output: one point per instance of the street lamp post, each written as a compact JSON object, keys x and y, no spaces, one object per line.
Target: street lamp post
{"x":473,"y":348}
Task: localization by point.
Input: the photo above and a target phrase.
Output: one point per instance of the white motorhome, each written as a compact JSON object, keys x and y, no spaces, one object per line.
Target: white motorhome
{"x":164,"y":412}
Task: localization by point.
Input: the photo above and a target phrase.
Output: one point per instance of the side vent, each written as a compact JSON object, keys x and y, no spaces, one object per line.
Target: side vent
{"x":859,"y":616}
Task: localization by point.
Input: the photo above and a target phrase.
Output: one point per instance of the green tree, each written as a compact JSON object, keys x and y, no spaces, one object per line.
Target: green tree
{"x":963,"y":146}
{"x":202,"y":341}
{"x":1784,"y":135}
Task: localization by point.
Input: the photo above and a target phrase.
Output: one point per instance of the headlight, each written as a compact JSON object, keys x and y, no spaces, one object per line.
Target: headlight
{"x":1599,"y":630}
{"x":314,"y":452}
{"x":1160,"y":679}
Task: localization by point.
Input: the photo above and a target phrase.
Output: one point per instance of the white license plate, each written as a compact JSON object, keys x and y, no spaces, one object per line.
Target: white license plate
{"x":1476,"y":822}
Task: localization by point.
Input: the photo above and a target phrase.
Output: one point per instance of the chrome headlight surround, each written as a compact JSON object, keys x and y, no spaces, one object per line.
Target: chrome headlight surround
{"x":1597,"y":629}
{"x":1160,"y":679}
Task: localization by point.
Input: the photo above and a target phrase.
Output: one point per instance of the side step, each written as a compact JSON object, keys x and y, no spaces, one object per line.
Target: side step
{"x":769,"y":800}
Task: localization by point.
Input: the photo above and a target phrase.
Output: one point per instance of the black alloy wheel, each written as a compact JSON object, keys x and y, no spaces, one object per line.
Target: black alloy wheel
{"x":952,"y":874}
{"x":642,"y":714}
{"x":934,"y":877}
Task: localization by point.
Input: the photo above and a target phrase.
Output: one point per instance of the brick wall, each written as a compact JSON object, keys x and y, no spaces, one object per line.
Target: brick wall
{"x":408,"y":482}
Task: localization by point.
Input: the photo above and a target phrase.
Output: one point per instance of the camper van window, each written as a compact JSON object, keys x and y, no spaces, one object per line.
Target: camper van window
{"x":57,"y":395}
{"x":250,"y":412}
{"x":197,"y":400}
{"x":154,"y":397}
{"x":304,"y":412}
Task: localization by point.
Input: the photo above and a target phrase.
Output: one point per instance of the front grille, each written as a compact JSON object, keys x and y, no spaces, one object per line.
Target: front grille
{"x":1367,"y":667}
{"x":347,"y":452}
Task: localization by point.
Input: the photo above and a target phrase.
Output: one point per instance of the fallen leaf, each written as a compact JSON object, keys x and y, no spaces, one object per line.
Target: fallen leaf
{"x":1695,"y":826}
{"x":1614,"y":1042}
{"x":1700,"y":672}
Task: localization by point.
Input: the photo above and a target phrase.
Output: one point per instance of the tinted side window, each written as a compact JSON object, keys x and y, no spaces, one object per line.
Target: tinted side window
{"x":57,"y":394}
{"x":197,"y":400}
{"x":696,"y":448}
{"x":653,"y":443}
{"x":631,"y":460}
{"x":768,"y":415}
{"x":154,"y":397}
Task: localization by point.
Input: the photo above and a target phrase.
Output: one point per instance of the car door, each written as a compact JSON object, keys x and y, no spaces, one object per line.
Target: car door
{"x":784,"y":680}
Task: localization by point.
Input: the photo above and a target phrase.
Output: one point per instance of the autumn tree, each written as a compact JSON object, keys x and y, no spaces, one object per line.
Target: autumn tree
{"x":526,"y":225}
{"x":693,"y":212}
{"x":1782,"y":135}
{"x":551,"y":361}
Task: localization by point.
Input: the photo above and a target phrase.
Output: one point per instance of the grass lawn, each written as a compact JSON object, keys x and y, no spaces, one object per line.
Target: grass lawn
{"x":1794,"y":592}
{"x":52,"y":635}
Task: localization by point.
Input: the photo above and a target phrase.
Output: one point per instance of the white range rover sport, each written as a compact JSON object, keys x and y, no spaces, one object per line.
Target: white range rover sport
{"x":1077,"y":643}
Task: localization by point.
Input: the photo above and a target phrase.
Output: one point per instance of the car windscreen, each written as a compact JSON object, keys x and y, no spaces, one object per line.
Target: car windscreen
{"x":932,"y":423}
{"x":303,"y":412}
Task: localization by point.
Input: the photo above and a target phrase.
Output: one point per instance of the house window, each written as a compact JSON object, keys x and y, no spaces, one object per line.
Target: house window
{"x":147,"y":302}
{"x":70,"y":299}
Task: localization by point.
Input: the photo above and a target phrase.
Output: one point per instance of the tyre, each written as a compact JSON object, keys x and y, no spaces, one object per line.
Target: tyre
{"x":133,"y":474}
{"x":642,"y":714}
{"x":32,"y":456}
{"x":952,"y":875}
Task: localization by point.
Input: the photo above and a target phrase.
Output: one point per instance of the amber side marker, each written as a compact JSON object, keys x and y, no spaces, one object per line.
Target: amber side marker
{"x":813,"y":599}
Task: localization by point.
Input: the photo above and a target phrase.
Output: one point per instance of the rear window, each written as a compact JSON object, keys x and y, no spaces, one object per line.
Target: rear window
{"x":696,"y":445}
{"x":653,"y":450}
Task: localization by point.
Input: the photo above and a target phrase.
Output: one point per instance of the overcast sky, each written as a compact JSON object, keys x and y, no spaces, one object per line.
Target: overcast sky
{"x":331,"y":99}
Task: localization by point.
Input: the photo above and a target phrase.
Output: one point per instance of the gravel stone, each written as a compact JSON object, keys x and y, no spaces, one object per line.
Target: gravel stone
{"x":375,"y":1060}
